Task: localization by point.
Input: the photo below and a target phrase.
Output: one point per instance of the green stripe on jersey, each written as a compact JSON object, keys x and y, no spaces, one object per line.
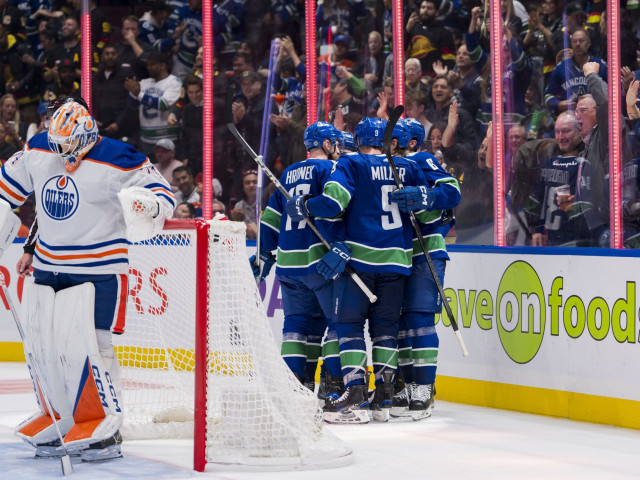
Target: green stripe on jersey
{"x":272,"y":218}
{"x":380,"y":256}
{"x":353,"y":358}
{"x":301,"y":258}
{"x":292,"y":347}
{"x":427,"y":217}
{"x":385,"y":356}
{"x":449,"y":181}
{"x":425,"y":356}
{"x":432,"y":242}
{"x":338,"y":193}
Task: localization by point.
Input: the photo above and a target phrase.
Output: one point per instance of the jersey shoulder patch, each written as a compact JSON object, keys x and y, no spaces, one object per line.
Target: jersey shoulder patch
{"x":40,"y":141}
{"x":117,"y":154}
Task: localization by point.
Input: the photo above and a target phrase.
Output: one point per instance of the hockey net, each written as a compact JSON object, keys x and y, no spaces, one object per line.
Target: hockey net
{"x":199,"y":359}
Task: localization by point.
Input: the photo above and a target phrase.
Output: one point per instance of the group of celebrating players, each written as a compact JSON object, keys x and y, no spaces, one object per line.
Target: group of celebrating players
{"x":353,"y":199}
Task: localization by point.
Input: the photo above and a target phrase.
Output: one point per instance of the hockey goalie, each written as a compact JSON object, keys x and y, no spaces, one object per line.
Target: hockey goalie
{"x":94,"y":197}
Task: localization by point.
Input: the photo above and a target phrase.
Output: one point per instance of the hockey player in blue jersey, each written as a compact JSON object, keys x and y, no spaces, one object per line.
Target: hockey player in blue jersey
{"x":306,"y":295}
{"x":377,"y":242}
{"x":417,"y":339}
{"x":94,"y":196}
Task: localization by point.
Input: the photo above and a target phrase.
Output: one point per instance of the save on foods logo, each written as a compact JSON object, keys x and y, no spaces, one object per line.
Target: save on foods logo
{"x":522,"y":312}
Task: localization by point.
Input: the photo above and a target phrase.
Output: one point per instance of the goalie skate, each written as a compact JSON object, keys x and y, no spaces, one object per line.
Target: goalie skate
{"x":103,"y":450}
{"x":351,"y":408}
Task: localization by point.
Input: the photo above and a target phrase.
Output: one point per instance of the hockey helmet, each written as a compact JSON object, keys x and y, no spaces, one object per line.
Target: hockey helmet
{"x":369,"y":132}
{"x":316,"y":133}
{"x":72,"y":133}
{"x":416,"y":130}
{"x":349,"y":142}
{"x":401,"y":133}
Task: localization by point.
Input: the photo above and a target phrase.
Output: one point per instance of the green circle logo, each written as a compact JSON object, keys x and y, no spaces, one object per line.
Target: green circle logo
{"x":520,"y":312}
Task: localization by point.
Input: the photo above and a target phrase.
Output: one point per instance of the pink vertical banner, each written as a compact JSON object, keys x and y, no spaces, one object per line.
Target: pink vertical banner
{"x":311,"y":61}
{"x":615,"y":127}
{"x":207,"y":110}
{"x":497,"y":95}
{"x":398,"y":53}
{"x":85,"y":51}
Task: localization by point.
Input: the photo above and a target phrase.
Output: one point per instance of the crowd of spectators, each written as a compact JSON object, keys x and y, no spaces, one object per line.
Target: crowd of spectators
{"x":147,"y":90}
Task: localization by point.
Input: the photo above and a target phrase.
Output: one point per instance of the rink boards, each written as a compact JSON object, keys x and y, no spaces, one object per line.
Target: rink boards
{"x":555,"y":334}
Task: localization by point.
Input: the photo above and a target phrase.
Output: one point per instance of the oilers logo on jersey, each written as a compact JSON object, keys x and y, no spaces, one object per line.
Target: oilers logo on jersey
{"x":60,"y":197}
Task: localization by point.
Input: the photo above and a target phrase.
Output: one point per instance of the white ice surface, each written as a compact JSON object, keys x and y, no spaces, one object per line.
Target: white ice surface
{"x":457,"y":442}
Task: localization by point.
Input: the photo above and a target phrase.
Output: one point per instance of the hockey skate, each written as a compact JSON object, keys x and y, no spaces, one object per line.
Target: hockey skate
{"x":421,"y":404}
{"x":103,"y":450}
{"x":400,"y":404}
{"x":351,"y":407}
{"x":334,"y":387}
{"x":381,"y":400}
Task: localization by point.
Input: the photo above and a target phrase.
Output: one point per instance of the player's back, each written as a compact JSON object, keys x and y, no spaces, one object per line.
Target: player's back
{"x":299,"y":248}
{"x":377,"y":232}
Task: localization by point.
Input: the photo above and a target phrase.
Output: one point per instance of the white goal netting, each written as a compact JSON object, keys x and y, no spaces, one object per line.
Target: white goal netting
{"x":257,"y":412}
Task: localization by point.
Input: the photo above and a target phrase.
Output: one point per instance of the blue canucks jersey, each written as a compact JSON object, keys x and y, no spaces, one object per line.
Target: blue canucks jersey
{"x":379,"y":235}
{"x":447,"y":196}
{"x":299,"y":248}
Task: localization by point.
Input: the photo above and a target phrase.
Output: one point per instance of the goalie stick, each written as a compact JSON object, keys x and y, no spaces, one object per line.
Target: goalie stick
{"x":231,"y":91}
{"x":65,"y":460}
{"x":386,"y":146}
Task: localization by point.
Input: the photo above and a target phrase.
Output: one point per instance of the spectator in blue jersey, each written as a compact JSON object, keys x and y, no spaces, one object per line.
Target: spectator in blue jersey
{"x":154,"y":28}
{"x":567,"y":81}
{"x":377,"y":243}
{"x":189,"y":37}
{"x":306,"y":295}
{"x":556,"y":206}
{"x":228,"y":26}
{"x":340,"y":17}
{"x":290,"y":76}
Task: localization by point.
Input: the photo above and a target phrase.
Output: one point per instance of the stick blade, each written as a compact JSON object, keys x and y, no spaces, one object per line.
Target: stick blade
{"x":67,"y":468}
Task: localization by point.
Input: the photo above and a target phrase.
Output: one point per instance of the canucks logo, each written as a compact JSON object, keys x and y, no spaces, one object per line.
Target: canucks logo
{"x":60,"y":197}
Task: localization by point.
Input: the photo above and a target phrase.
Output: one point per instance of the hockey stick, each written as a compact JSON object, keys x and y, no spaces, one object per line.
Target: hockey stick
{"x":386,"y":146}
{"x":65,"y":460}
{"x":231,"y":91}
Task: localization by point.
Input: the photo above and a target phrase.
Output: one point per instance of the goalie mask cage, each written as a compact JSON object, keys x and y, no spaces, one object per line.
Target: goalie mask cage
{"x":198,"y":356}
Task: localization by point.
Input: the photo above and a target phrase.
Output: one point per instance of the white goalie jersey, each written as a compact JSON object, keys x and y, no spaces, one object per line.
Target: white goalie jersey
{"x":81,"y":226}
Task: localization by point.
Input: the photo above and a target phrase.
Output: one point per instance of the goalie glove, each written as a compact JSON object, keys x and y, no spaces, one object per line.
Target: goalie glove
{"x":410,"y":199}
{"x":262,"y":269}
{"x":333,"y":263}
{"x":143,"y":214}
{"x":296,"y":208}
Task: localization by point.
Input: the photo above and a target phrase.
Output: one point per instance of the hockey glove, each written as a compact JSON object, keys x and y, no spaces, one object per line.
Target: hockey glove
{"x":267,"y":259}
{"x":410,"y":199}
{"x":333,"y":263}
{"x":296,"y":208}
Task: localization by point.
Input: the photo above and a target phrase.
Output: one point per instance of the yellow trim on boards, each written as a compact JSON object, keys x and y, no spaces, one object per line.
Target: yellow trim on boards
{"x":541,"y":401}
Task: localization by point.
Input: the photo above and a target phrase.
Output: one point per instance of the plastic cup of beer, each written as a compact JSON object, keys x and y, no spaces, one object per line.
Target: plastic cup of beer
{"x":563,"y":192}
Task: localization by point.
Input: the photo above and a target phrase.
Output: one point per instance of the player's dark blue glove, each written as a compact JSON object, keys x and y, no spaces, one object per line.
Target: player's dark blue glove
{"x":267,"y":259}
{"x":296,"y":208}
{"x":410,"y":199}
{"x":333,"y":263}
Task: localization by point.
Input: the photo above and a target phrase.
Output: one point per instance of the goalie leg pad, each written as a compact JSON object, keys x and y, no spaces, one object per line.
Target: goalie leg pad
{"x":37,"y":323}
{"x":90,"y":390}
